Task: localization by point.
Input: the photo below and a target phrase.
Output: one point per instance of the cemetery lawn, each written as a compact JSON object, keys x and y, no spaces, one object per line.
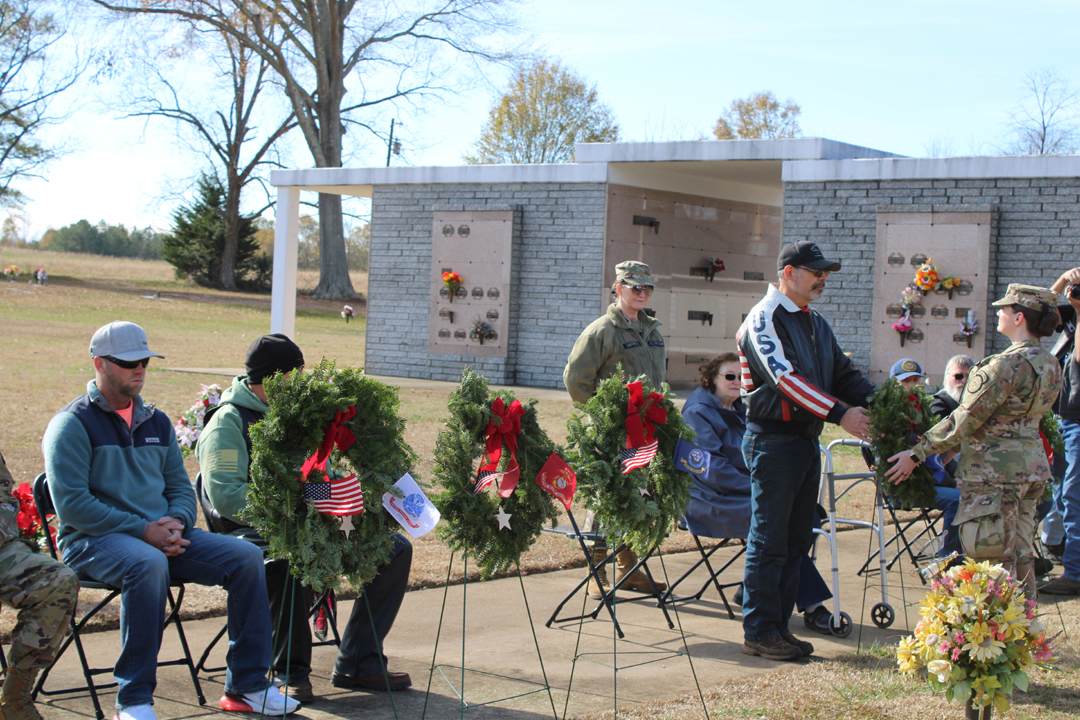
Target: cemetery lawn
{"x":45,"y":364}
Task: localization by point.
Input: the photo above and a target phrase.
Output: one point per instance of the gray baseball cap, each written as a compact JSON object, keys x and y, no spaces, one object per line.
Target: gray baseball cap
{"x":121,"y":340}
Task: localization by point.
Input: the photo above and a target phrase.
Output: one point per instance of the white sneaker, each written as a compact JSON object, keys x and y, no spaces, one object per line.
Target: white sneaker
{"x":267,"y":702}
{"x":136,"y":712}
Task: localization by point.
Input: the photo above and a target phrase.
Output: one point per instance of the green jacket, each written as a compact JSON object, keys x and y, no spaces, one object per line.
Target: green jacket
{"x":9,"y":506}
{"x":223,"y":454}
{"x":997,"y":422}
{"x":611,"y":340}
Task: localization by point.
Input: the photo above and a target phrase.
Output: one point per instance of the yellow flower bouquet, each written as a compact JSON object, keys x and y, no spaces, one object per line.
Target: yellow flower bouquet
{"x":977,"y":637}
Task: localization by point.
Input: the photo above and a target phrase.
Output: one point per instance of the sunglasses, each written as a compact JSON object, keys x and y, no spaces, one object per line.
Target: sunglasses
{"x":640,"y":289}
{"x":812,"y":271}
{"x":960,"y":376}
{"x":126,"y":364}
{"x":730,"y":376}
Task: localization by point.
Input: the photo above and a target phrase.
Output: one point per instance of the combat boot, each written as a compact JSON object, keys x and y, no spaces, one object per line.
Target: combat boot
{"x":638,"y":581}
{"x":599,"y":555}
{"x":15,"y":700}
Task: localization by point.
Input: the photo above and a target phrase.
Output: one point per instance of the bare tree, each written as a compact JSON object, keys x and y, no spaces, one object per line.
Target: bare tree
{"x":28,"y":84}
{"x":391,"y":51}
{"x":226,"y":136}
{"x":1045,"y":121}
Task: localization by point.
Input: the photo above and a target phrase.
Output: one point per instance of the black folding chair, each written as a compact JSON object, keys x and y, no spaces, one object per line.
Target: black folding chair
{"x":713,"y":573}
{"x":325,"y":601}
{"x":45,"y":508}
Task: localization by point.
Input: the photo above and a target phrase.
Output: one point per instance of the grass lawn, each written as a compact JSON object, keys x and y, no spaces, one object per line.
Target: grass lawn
{"x":45,"y":364}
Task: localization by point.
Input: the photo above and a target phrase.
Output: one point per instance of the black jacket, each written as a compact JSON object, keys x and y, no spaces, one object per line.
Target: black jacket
{"x":1068,"y":402}
{"x":794,"y":373}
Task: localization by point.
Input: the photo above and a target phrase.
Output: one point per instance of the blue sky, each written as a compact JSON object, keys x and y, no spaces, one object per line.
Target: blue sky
{"x":892,"y":76}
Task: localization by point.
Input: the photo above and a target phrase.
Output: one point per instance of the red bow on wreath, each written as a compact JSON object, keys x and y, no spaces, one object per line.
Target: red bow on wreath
{"x":508,"y":429}
{"x":336,"y":434}
{"x":641,"y":413}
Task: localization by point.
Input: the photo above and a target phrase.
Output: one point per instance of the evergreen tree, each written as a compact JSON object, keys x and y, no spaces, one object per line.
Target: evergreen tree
{"x":195,"y":246}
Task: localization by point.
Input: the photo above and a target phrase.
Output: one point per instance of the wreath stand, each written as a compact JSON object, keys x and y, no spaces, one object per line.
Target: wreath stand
{"x":610,"y":603}
{"x":459,"y":689}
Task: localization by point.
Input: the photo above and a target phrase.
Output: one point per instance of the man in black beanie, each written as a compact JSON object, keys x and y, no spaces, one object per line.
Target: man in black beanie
{"x":224,"y":452}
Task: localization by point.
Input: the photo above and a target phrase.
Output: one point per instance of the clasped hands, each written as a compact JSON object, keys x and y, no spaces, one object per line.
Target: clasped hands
{"x":166,"y":535}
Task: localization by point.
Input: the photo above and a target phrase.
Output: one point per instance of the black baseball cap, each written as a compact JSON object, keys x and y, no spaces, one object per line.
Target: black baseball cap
{"x":804,"y":253}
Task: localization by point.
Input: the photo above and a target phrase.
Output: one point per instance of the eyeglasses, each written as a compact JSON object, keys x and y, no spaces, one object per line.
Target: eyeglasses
{"x":126,"y":364}
{"x":960,"y":376}
{"x":640,"y":289}
{"x":730,"y":376}
{"x":812,"y":271}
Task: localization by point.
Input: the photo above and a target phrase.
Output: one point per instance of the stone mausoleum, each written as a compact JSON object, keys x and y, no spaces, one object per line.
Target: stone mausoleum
{"x":536,"y":246}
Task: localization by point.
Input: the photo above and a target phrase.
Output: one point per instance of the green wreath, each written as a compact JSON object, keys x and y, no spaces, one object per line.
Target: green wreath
{"x":898,"y":423}
{"x":302,"y":407}
{"x":470,"y":519}
{"x":597,"y":436}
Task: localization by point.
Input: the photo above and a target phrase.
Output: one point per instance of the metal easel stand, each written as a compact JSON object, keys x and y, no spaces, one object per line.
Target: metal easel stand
{"x":617,"y":635}
{"x":459,"y":689}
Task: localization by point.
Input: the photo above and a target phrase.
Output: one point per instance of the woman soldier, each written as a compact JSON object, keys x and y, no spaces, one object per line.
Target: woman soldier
{"x":1002,"y":463}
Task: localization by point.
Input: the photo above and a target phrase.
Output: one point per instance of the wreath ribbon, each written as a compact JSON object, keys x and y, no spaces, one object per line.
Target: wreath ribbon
{"x":336,"y":434}
{"x":641,"y":414}
{"x":508,"y":429}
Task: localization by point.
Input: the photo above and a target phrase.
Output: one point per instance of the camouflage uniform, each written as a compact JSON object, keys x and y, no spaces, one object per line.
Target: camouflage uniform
{"x":1003,"y":466}
{"x":43,"y":590}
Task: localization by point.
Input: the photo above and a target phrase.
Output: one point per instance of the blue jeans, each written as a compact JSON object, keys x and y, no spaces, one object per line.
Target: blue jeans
{"x":948,"y":501}
{"x":1069,"y":499}
{"x":785,"y":471}
{"x":143,"y":573}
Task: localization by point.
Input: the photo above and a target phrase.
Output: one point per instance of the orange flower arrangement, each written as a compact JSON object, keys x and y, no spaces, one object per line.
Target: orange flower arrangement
{"x":926,"y":277}
{"x":452,"y":281}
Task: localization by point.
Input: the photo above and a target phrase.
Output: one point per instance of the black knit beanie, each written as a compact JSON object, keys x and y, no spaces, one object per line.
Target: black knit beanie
{"x":270,"y":354}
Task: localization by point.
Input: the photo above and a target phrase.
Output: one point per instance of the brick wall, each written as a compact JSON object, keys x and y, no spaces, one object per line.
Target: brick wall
{"x":1036,"y":237}
{"x":557,"y":277}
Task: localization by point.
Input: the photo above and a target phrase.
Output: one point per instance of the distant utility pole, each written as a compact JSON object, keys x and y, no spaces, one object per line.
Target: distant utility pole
{"x":392,"y":146}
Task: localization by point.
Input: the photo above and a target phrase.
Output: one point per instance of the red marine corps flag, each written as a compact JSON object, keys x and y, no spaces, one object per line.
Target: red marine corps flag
{"x":558,"y":479}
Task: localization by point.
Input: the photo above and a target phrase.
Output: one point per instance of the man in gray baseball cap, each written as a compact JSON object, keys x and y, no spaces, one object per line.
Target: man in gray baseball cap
{"x":121,"y":340}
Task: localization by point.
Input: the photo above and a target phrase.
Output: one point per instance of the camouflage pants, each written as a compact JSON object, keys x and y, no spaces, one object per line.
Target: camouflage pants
{"x":44,"y":592}
{"x":997,"y":523}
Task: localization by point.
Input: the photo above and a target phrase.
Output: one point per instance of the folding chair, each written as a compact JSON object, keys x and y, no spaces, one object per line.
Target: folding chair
{"x":218,"y":524}
{"x":714,"y":573}
{"x":45,"y":508}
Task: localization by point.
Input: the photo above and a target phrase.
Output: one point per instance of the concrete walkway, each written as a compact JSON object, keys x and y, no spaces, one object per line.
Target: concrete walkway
{"x":499,"y":640}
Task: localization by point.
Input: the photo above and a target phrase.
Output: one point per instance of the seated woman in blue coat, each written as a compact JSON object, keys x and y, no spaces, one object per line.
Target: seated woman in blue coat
{"x":720,"y":506}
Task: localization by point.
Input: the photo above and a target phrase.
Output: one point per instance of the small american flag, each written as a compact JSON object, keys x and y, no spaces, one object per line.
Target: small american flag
{"x":337,"y":497}
{"x":632,"y":458}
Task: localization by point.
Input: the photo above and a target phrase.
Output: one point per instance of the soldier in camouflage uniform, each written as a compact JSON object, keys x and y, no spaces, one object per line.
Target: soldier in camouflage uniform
{"x":43,"y":591}
{"x":1003,"y":466}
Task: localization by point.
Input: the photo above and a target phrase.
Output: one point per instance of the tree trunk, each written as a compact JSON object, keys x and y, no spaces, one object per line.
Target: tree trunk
{"x":334,"y":280}
{"x":231,"y":222}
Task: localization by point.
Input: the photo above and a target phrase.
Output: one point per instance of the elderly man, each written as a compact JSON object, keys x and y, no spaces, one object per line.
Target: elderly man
{"x":127,"y":517}
{"x":224,"y":451}
{"x":947,"y":399}
{"x":796,"y":378}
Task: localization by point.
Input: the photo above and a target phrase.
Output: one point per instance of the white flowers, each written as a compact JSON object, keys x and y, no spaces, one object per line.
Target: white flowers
{"x":941,"y":668}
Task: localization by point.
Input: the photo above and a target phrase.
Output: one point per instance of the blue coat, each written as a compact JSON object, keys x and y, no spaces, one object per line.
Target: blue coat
{"x":720,"y":506}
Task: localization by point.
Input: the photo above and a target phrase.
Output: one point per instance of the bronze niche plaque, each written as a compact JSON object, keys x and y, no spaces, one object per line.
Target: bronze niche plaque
{"x":699,"y":272}
{"x":460,"y":334}
{"x":447,"y":230}
{"x":964,"y":288}
{"x":447,"y":314}
{"x":918,"y":259}
{"x":894,"y":311}
{"x":961,"y":313}
{"x":939,"y":311}
{"x":478,"y":292}
{"x":896,"y":260}
{"x":493,"y":293}
{"x":750,"y":275}
{"x":492,"y":314}
{"x":461,"y":292}
{"x":444,"y":334}
{"x":443,"y":292}
{"x":960,"y":338}
{"x":697,"y":359}
{"x":463,"y":231}
{"x":915,"y":336}
{"x":917,"y":311}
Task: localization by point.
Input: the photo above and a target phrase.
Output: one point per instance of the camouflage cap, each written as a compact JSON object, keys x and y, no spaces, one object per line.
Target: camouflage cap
{"x":1030,"y":296}
{"x":633,"y":273}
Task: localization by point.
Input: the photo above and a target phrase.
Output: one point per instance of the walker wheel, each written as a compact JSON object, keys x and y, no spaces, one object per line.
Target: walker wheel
{"x":845,"y":625}
{"x":882,"y":614}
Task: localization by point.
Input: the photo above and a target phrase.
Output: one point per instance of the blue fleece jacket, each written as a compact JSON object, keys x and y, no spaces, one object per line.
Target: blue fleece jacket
{"x":107,"y":478}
